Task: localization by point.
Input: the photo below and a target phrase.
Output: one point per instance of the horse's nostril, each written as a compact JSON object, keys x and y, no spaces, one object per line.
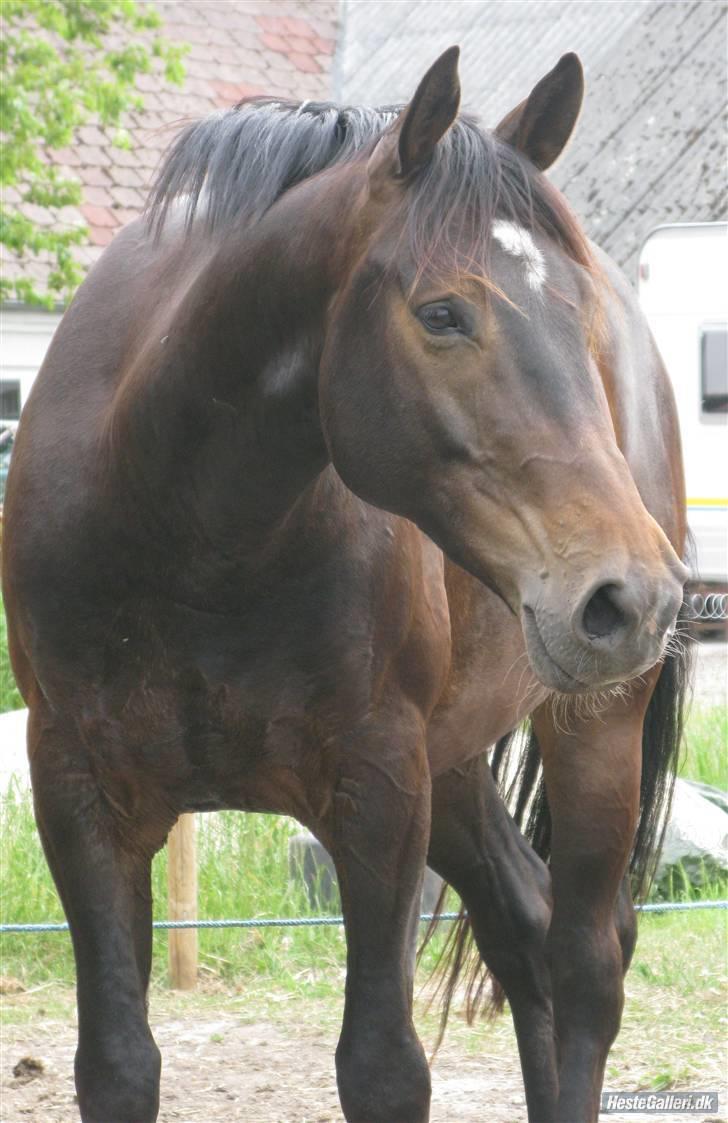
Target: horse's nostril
{"x":603,"y":615}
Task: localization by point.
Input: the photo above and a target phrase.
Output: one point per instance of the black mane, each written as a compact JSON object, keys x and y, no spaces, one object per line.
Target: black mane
{"x":245,"y":158}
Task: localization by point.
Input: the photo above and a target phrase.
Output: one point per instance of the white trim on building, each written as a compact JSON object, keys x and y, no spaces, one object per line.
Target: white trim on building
{"x":25,"y":334}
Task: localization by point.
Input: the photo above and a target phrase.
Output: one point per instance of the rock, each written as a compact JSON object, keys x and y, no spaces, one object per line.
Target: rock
{"x":713,"y":795}
{"x":697,"y":834}
{"x":310,"y":862}
{"x":8,"y":985}
{"x":28,"y":1068}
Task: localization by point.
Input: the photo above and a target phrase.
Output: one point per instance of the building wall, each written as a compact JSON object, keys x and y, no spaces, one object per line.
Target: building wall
{"x":25,"y":334}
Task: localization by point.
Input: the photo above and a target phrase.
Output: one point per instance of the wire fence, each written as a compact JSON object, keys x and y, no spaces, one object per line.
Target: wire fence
{"x":712,"y":607}
{"x":321,"y":921}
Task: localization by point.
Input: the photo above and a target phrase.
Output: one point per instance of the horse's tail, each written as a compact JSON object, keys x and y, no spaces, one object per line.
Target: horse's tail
{"x":662,"y":737}
{"x":516,"y":766}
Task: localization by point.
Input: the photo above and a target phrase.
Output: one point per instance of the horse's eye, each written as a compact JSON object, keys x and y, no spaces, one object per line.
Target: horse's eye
{"x":438,"y":318}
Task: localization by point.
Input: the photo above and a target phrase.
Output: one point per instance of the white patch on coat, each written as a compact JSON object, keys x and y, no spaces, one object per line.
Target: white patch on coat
{"x":519,"y":243}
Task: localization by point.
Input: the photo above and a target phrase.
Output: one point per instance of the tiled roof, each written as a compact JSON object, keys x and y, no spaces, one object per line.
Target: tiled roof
{"x":651,"y":142}
{"x":237,"y":48}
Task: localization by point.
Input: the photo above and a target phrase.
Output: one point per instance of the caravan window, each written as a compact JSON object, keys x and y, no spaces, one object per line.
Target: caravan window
{"x":714,"y":370}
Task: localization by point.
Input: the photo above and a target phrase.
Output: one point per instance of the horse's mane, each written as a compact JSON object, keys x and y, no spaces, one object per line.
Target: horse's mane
{"x":238,"y":162}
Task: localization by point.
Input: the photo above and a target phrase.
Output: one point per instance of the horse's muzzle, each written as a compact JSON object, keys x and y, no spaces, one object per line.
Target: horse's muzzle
{"x":617,"y":630}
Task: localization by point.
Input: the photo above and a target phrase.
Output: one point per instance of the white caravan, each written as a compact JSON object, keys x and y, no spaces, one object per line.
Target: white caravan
{"x":683,"y":289}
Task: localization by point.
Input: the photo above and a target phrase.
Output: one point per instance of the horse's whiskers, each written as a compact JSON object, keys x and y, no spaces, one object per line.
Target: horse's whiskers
{"x":567,"y":709}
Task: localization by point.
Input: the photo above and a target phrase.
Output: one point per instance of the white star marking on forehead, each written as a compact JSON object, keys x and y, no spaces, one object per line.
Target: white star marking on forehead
{"x":519,"y":243}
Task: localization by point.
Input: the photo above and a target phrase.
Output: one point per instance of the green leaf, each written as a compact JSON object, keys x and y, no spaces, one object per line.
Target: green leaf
{"x":61,"y":66}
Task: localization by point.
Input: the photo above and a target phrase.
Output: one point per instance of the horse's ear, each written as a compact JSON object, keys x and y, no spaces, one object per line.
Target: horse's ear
{"x":412,"y":140}
{"x":430,"y":113}
{"x":542,"y":124}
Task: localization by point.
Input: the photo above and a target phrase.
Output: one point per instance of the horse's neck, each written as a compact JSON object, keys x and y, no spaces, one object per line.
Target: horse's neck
{"x":221,"y":412}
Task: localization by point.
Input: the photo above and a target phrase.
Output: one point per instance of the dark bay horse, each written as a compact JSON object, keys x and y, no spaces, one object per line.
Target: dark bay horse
{"x":347,"y":459}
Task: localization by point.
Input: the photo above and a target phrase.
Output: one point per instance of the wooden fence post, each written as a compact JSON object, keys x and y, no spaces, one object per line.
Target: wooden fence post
{"x":182,"y":894}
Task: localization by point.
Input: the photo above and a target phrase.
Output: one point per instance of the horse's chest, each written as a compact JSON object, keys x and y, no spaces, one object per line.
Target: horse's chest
{"x":222,"y":715}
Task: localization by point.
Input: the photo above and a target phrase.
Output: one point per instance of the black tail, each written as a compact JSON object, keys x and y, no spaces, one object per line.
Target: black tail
{"x":524,"y":791}
{"x":662,"y":737}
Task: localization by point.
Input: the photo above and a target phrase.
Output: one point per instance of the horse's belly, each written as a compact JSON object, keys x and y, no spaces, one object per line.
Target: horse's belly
{"x":244,"y":740}
{"x":219,"y":713}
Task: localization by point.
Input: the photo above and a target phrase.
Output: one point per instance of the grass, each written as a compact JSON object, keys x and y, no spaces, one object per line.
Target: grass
{"x":10,"y":698}
{"x":705,"y":754}
{"x":674,"y":1027}
{"x":242,"y":872}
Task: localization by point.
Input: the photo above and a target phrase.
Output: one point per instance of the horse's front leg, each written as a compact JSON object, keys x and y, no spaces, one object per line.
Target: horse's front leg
{"x":100,"y":858}
{"x":476,"y":846}
{"x":592,"y":777}
{"x":379,"y":841}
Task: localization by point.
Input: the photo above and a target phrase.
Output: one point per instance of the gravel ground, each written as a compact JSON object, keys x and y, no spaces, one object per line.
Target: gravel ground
{"x":222,"y":1067}
{"x":711,"y":675}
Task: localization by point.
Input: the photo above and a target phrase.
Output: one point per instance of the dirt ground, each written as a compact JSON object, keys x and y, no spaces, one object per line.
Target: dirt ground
{"x":224,"y":1062}
{"x":219,"y":1069}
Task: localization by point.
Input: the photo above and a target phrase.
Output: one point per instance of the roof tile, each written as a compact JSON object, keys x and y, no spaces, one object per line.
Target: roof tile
{"x":94,"y":177}
{"x":304,"y":46}
{"x":129,"y":157}
{"x":231,"y":92}
{"x":305,"y":63}
{"x":238,"y":57}
{"x":271,"y":23}
{"x":92,"y":154}
{"x":126,"y":177}
{"x":126,"y":215}
{"x":325,"y":46}
{"x":98,"y":216}
{"x":98,"y":196}
{"x":40,"y":215}
{"x":126,"y":197}
{"x":274,"y":42}
{"x":299,"y":27}
{"x":69,"y":156}
{"x":89,"y":134}
{"x":100,"y":235}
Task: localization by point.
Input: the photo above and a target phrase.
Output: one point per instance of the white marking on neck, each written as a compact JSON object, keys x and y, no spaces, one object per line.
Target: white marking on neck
{"x":519,"y":243}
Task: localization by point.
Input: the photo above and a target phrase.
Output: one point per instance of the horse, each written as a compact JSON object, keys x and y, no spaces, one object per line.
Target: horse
{"x":348,"y":457}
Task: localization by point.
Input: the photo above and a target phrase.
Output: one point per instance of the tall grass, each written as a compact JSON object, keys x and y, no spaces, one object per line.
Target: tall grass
{"x":242,"y":862}
{"x":705,"y":752}
{"x":243,"y":873}
{"x":10,"y":698}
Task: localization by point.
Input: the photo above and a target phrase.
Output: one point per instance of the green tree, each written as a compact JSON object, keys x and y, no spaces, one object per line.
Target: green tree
{"x":61,"y":67}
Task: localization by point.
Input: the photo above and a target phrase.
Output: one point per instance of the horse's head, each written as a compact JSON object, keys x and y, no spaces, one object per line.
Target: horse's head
{"x":459,"y":386}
